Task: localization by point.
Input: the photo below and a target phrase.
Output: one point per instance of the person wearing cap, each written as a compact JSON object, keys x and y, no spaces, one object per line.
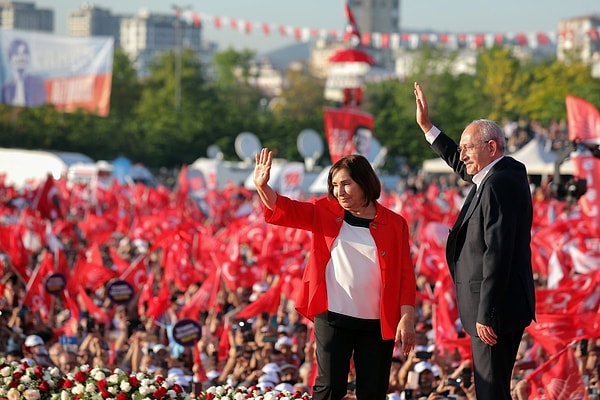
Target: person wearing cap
{"x":359,"y":285}
{"x":34,"y":348}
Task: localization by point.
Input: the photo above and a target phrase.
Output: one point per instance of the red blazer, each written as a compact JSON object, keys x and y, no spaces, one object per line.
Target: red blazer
{"x":324,"y":217}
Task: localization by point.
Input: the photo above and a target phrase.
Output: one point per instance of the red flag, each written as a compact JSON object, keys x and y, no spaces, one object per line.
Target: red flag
{"x":204,"y":298}
{"x":46,"y":200}
{"x":349,"y":130}
{"x":583,"y":119}
{"x":160,"y":303}
{"x":577,"y":295}
{"x":266,"y":302}
{"x":95,"y":312}
{"x":88,"y":275}
{"x":97,"y":228}
{"x":352,"y":32}
{"x":558,"y":378}
{"x":183,"y":186}
{"x":134,"y":273}
{"x":224,"y":345}
{"x":177,"y":264}
{"x":555,"y":331}
{"x":445,"y":320}
{"x":36,"y":295}
{"x":11,"y":243}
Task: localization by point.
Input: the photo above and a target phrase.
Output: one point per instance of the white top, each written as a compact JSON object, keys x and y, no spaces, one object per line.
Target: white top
{"x":353,"y":275}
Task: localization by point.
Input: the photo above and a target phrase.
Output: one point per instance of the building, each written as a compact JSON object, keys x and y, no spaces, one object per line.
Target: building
{"x":376,"y":15}
{"x":91,"y":20}
{"x":576,"y":41}
{"x":25,"y":16}
{"x":146,"y":35}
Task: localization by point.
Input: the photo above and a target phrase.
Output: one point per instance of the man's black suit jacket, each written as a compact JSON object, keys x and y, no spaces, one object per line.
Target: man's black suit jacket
{"x":488,"y":250}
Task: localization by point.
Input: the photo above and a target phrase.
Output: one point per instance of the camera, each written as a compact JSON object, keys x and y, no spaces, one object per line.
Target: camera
{"x":423,"y":355}
{"x":467,"y":377}
{"x":583,"y":346}
{"x":455,"y":382}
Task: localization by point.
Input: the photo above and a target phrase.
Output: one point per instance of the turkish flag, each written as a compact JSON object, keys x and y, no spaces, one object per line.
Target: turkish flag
{"x":158,"y":304}
{"x":583,"y":120}
{"x":266,"y":302}
{"x":98,"y":314}
{"x":204,"y":298}
{"x":580,"y":294}
{"x":47,"y":200}
{"x":446,"y":320}
{"x":97,"y":228}
{"x":352,"y":31}
{"x":555,"y":331}
{"x":89,"y":275}
{"x":135,"y":272}
{"x":12,"y":244}
{"x":36,"y":295}
{"x":558,"y":378}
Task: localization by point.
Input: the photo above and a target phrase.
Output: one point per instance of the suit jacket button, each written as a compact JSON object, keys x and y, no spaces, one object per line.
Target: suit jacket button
{"x":382,"y":253}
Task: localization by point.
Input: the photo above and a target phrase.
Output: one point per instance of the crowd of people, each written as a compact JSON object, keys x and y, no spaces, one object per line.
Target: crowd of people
{"x":269,"y":349}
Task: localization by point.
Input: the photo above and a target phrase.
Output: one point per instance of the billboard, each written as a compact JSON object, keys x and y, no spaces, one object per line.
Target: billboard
{"x":69,"y":72}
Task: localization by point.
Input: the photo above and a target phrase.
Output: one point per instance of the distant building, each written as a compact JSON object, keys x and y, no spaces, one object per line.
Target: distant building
{"x":575,"y":40}
{"x":376,"y":15}
{"x":25,"y":16}
{"x":91,"y":20}
{"x":146,"y":35}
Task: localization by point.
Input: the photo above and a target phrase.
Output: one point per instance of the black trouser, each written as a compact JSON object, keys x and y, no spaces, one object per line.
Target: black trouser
{"x":338,"y":339}
{"x":493,"y":365}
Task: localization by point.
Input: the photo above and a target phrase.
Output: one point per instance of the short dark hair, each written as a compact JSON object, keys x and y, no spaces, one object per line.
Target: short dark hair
{"x":361,"y":172}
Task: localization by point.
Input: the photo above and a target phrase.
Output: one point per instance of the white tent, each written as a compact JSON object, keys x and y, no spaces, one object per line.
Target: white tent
{"x":539,"y":160}
{"x":535,"y":156}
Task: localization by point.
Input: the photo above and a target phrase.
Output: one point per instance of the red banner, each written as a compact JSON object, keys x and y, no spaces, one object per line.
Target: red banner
{"x":349,"y":131}
{"x":588,"y":167}
{"x":583,"y":120}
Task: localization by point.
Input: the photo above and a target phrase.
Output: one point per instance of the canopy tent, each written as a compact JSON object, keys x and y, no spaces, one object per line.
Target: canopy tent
{"x":536,"y":157}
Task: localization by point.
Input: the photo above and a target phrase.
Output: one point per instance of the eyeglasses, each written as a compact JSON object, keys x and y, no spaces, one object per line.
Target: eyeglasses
{"x":468,"y":148}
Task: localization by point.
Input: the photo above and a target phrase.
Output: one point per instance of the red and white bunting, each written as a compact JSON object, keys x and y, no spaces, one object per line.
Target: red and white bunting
{"x":390,"y":40}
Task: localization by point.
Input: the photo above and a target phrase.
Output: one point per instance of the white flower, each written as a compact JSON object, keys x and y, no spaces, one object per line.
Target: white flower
{"x":114,"y":378}
{"x":26,"y":379}
{"x":78,"y":389}
{"x":64,"y":395}
{"x":84,"y":368}
{"x":6,"y":371}
{"x":98,"y":374}
{"x":90,"y":387}
{"x":31,"y":394}
{"x":125,"y":386}
{"x":13,"y":394}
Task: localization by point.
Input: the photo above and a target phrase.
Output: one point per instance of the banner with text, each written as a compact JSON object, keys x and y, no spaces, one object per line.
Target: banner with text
{"x":349,"y":131}
{"x":70,"y":73}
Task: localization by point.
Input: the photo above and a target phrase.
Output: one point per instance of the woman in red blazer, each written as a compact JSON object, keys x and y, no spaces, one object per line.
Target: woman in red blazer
{"x":359,"y":283}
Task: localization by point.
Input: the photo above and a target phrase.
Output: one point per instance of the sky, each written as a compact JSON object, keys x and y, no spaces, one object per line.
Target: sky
{"x":458,"y":16}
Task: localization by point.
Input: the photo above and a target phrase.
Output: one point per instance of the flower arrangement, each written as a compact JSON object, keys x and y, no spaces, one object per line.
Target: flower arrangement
{"x":21,"y":381}
{"x":251,"y":393}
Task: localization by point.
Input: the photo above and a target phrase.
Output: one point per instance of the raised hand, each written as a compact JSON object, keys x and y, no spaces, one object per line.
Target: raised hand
{"x":422,"y":109}
{"x":262,"y":169}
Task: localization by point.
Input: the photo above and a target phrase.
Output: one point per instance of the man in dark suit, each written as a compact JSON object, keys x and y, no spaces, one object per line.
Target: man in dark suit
{"x":488,"y":249}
